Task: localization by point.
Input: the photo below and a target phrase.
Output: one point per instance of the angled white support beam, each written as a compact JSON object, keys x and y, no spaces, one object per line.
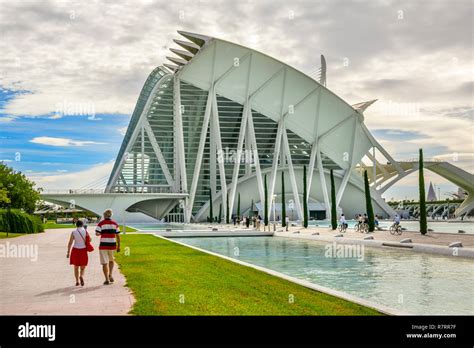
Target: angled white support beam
{"x":337,"y":125}
{"x":276,"y":154}
{"x":263,"y":85}
{"x":322,"y":179}
{"x":276,"y":150}
{"x":291,"y":171}
{"x":377,"y":164}
{"x":212,"y":163}
{"x":314,"y":147}
{"x":202,"y":143}
{"x":302,"y":100}
{"x":240,"y":141}
{"x":256,"y":158}
{"x":180,"y":167}
{"x":135,"y":134}
{"x":143,"y":153}
{"x":348,"y":171}
{"x":158,"y":153}
{"x":216,"y":130}
{"x":381,"y":149}
{"x":232,"y":68}
{"x":200,"y":152}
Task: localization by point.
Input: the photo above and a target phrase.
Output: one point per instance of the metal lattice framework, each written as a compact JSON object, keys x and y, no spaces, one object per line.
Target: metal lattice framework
{"x":218,"y":96}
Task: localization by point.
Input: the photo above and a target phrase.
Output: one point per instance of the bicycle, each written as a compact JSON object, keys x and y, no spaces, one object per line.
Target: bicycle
{"x":362,"y":227}
{"x":395,"y":229}
{"x":342,"y":228}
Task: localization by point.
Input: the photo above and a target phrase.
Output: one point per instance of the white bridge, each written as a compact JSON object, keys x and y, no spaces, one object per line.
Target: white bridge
{"x":386,"y":175}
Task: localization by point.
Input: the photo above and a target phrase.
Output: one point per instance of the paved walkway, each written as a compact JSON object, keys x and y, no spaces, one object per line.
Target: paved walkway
{"x":47,"y":285}
{"x":431,"y":238}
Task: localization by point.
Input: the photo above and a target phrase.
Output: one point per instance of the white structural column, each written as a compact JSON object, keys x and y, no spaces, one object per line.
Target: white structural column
{"x":134,"y":136}
{"x":256,"y":158}
{"x":276,"y":150}
{"x":216,"y":130}
{"x":212,"y":163}
{"x":180,"y":166}
{"x":348,"y":171}
{"x":314,"y":147}
{"x":158,"y":153}
{"x":374,"y":170}
{"x":240,"y":141}
{"x":202,"y":142}
{"x":276,"y":154}
{"x":322,"y":179}
{"x":143,"y":155}
{"x":291,"y":171}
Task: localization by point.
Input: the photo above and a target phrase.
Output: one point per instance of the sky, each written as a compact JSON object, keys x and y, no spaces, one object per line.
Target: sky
{"x":71,"y":72}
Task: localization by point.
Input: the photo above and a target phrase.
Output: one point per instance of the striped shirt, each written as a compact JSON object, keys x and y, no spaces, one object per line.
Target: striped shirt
{"x":108,"y":230}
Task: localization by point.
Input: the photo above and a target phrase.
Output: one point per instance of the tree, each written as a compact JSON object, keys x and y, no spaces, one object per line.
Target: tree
{"x":265,"y":212}
{"x":368,"y":203}
{"x":251,"y":208}
{"x":305,"y":200}
{"x":283,"y":204}
{"x":17,"y":191}
{"x":220,"y":213}
{"x":238,"y":204}
{"x":227,"y":217}
{"x":333,"y":203}
{"x":211,"y":213}
{"x":421,"y":184}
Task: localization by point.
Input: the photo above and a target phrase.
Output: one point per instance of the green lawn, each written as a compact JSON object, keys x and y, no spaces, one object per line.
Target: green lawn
{"x":10,"y":235}
{"x":52,"y":224}
{"x":162,"y":274}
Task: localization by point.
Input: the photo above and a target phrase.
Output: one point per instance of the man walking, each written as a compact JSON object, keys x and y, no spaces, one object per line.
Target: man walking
{"x":108,"y":230}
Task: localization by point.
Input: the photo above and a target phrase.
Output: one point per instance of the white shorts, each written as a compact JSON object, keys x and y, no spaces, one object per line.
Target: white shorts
{"x":106,"y":256}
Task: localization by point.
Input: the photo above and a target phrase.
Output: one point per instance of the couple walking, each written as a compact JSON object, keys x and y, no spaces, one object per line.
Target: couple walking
{"x":108,"y":230}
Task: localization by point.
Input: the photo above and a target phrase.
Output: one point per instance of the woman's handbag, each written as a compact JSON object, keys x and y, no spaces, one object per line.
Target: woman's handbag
{"x":87,"y":241}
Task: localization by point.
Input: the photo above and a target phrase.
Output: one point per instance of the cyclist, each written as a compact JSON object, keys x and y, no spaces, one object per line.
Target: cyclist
{"x":343,"y":223}
{"x":396,"y":220}
{"x":376,"y":221}
{"x":360,"y":221}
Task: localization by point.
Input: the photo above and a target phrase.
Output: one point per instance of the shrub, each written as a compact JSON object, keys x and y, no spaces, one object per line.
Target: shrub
{"x":17,"y":221}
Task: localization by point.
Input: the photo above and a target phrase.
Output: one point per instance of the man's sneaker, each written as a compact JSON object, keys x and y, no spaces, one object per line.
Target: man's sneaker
{"x":111,"y":279}
{"x":106,"y":282}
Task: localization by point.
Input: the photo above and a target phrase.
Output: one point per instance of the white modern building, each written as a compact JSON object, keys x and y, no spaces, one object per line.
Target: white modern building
{"x":221,"y":117}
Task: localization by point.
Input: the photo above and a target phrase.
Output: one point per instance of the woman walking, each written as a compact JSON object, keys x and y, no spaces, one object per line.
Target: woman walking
{"x":78,"y":255}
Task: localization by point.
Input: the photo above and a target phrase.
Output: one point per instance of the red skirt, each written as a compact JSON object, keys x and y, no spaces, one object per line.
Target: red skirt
{"x":79,"y":257}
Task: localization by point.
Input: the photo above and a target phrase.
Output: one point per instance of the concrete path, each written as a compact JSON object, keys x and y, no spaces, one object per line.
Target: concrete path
{"x":431,"y":238}
{"x":47,"y":285}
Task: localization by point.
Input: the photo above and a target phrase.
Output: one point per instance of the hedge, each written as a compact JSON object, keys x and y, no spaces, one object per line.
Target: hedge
{"x":17,"y":221}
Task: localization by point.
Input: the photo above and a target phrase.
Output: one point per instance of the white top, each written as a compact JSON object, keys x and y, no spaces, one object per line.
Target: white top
{"x":79,"y":243}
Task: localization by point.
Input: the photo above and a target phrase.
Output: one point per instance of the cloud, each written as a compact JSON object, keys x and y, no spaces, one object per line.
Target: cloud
{"x":415,"y":57}
{"x":61,"y":141}
{"x":97,"y":174}
{"x":122,"y":130}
